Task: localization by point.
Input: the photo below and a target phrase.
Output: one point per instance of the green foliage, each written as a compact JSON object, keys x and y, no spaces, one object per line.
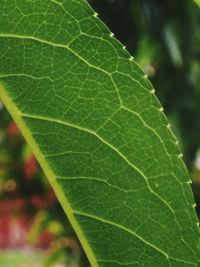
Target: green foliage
{"x":96,"y":127}
{"x":197,"y":2}
{"x":152,"y":43}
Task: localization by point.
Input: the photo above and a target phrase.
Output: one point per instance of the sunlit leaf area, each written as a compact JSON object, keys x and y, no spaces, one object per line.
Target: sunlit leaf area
{"x":164,"y":39}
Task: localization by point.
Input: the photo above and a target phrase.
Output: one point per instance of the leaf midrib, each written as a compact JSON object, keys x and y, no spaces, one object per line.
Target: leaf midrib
{"x":90,"y":131}
{"x":99,"y":69}
{"x":37,"y":117}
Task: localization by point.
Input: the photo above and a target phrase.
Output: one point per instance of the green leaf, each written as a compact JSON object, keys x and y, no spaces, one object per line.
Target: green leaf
{"x":95,"y":125}
{"x":197,"y":2}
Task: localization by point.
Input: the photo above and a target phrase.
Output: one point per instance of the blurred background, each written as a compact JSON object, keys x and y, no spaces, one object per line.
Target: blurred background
{"x":164,"y":38}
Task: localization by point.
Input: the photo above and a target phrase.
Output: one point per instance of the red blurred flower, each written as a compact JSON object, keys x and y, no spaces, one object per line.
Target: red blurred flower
{"x":13,"y":129}
{"x":38,"y":201}
{"x":13,"y":232}
{"x":11,"y":206}
{"x":30,"y":167}
{"x":4,"y":231}
{"x":45,"y":239}
{"x":51,"y":197}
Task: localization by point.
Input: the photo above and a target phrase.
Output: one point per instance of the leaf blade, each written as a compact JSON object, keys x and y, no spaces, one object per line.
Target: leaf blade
{"x":14,"y":112}
{"x":110,"y":129}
